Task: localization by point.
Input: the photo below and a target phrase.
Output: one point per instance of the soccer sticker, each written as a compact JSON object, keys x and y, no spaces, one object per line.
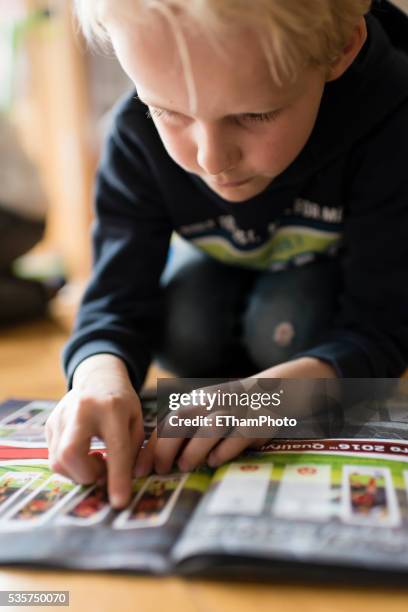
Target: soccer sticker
{"x":242,"y":489}
{"x":304,"y":492}
{"x":13,"y":485}
{"x":153,"y":504}
{"x":42,"y":504}
{"x":368,"y":497}
{"x":33,"y":414}
{"x":89,"y":508}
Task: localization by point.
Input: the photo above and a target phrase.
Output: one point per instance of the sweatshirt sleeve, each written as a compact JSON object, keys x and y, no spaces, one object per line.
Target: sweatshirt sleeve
{"x":370,"y":336}
{"x":131,"y":233}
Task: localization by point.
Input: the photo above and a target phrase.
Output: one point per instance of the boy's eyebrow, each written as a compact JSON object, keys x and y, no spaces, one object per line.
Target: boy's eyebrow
{"x":160,"y":106}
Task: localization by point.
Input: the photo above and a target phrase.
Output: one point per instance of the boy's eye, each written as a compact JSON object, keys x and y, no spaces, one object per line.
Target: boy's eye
{"x":261,"y":116}
{"x":245,"y":117}
{"x":159,"y":112}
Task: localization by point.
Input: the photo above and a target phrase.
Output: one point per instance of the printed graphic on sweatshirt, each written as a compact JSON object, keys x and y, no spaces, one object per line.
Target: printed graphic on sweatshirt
{"x":305,"y":232}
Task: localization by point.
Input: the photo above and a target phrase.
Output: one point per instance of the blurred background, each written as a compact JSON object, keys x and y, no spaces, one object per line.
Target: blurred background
{"x":55,"y":100}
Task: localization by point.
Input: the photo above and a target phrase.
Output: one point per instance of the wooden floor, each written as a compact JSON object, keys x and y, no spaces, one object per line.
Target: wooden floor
{"x":30,"y":368}
{"x":30,"y":360}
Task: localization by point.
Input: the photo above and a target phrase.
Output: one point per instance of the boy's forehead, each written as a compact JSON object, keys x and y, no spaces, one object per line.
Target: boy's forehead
{"x":236,"y":78}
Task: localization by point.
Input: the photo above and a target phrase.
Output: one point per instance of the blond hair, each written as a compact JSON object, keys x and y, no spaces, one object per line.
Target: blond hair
{"x":293,"y":33}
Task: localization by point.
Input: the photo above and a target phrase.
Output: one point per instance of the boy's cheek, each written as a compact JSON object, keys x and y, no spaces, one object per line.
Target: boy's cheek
{"x":182,"y":150}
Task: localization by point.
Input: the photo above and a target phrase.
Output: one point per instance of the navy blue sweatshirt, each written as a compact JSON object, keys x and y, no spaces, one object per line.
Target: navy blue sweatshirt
{"x":345,"y":196}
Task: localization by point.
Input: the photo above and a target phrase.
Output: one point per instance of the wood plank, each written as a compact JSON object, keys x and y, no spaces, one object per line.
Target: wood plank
{"x":30,"y":360}
{"x":105,"y":593}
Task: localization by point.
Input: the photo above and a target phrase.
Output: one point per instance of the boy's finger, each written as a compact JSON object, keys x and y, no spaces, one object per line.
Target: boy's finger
{"x":83,"y":469}
{"x":54,"y":429}
{"x":74,"y":459}
{"x":137,"y":436}
{"x":145,"y":459}
{"x":165,"y":452}
{"x":119,"y":464}
{"x":53,"y":446}
{"x":228,"y":449}
{"x":195,"y":452}
{"x":56,"y":467}
{"x":48,"y":435}
{"x":197,"y":449}
{"x":54,"y":440}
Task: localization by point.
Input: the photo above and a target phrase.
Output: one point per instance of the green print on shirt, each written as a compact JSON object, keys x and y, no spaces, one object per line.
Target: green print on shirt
{"x":287,"y":245}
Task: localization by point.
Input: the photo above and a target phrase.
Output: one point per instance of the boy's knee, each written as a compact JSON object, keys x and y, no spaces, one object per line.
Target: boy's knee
{"x":271,"y":337}
{"x":277,"y":329}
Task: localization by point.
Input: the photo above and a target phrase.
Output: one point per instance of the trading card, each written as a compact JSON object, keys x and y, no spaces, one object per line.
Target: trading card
{"x":27,"y":437}
{"x":34,"y":414}
{"x":97,"y":444}
{"x":21,"y":417}
{"x":242,"y":489}
{"x":368,"y":497}
{"x":304,"y":492}
{"x":45,"y":409}
{"x":43,"y":503}
{"x":88,"y":508}
{"x":153,"y":504}
{"x":12,"y":486}
{"x":40,"y":420}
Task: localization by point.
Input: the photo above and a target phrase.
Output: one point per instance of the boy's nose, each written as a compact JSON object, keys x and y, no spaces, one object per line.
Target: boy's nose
{"x":216,"y":155}
{"x":217,"y":160}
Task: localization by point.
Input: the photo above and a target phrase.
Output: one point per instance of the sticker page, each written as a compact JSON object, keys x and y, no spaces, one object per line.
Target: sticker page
{"x":330,"y":501}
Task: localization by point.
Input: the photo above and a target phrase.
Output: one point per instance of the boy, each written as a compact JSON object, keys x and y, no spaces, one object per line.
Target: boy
{"x":277,"y":146}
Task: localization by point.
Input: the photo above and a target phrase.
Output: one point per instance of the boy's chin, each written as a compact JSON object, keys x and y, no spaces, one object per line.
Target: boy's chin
{"x":241,"y":193}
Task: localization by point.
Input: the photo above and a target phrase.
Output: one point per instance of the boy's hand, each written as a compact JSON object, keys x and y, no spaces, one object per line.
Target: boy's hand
{"x":214,"y":446}
{"x":160,"y":453}
{"x":101,"y":403}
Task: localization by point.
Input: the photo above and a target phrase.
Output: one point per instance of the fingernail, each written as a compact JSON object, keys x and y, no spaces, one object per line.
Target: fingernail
{"x":183,"y":465}
{"x":140,"y":470}
{"x":212,"y":461}
{"x":117,"y":501}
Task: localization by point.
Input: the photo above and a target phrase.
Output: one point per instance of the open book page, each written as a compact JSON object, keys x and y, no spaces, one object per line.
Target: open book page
{"x":332,"y":502}
{"x":22,"y":422}
{"x":340,"y":501}
{"x":49,"y":520}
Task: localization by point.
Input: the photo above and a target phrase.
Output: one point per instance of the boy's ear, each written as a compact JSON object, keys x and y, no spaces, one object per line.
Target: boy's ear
{"x":349,"y":53}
